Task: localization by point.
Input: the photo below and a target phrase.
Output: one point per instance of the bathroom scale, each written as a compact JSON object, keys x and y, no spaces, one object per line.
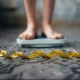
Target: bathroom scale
{"x":41,"y":41}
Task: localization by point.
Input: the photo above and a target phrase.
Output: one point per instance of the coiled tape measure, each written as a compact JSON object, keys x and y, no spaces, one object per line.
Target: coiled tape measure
{"x":35,"y":54}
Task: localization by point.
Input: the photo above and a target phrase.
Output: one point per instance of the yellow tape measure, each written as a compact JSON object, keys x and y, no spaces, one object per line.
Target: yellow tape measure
{"x":35,"y":54}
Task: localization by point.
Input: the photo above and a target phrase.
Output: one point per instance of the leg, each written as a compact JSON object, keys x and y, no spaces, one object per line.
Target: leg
{"x":30,"y":32}
{"x":48,"y":8}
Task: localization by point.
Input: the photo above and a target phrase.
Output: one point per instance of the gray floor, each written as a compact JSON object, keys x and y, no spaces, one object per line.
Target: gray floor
{"x":39,"y":68}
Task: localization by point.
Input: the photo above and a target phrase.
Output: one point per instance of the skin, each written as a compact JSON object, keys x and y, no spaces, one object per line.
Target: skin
{"x":30,"y":32}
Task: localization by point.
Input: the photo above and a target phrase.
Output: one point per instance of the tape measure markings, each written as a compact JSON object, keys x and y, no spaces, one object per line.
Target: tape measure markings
{"x":35,"y":54}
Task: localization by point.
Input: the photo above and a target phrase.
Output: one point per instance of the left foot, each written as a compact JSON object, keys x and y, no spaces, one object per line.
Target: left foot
{"x":50,"y":33}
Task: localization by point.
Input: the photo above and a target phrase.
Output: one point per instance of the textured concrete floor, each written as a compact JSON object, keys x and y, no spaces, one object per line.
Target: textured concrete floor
{"x":39,"y":68}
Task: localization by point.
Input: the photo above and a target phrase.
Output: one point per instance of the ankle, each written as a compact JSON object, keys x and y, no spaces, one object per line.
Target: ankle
{"x":46,"y":23}
{"x":31,"y":23}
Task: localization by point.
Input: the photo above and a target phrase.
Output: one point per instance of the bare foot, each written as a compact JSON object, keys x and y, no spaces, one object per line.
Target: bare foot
{"x":30,"y":32}
{"x":50,"y":33}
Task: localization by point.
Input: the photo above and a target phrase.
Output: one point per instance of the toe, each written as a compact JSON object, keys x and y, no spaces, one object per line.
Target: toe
{"x":20,"y":36}
{"x":23,"y":37}
{"x":31,"y":37}
{"x":60,"y":36}
{"x":27,"y":37}
{"x":53,"y":37}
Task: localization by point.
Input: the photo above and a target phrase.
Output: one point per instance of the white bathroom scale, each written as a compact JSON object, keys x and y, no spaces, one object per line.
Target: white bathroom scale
{"x":41,"y":41}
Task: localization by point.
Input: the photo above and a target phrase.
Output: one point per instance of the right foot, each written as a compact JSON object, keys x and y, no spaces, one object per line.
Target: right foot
{"x":29,"y":33}
{"x":50,"y":33}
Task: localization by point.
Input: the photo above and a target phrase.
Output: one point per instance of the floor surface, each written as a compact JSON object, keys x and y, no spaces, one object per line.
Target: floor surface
{"x":39,"y":68}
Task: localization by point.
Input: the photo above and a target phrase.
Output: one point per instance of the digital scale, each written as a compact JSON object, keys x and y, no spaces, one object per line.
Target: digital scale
{"x":41,"y":41}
